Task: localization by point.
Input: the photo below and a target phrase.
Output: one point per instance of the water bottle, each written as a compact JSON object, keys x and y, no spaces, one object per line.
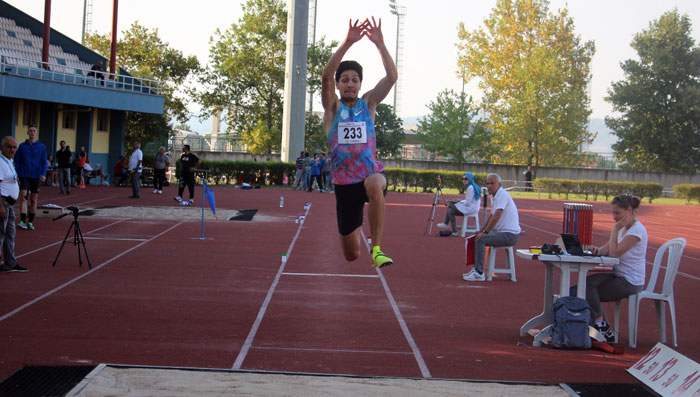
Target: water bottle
{"x":281,"y":201}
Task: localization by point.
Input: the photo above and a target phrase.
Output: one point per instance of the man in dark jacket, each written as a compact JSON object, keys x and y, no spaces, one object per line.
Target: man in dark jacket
{"x":63,"y":159}
{"x":30,"y":163}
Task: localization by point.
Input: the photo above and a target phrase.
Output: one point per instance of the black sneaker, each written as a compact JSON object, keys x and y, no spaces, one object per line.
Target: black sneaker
{"x":5,"y":269}
{"x":606,"y":331}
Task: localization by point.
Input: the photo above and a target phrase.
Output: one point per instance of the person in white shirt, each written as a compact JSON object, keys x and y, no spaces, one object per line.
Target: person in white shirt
{"x":628,"y":243}
{"x":135,"y":169}
{"x":501,"y":229}
{"x":470,"y":204}
{"x":9,"y":190}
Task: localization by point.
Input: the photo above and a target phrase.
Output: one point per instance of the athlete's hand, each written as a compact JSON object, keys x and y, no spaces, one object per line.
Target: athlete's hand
{"x":356,"y":31}
{"x":374,"y":31}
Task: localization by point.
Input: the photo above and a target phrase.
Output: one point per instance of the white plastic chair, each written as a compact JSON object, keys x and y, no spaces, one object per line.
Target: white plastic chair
{"x":490,"y":265}
{"x":465,"y":222}
{"x":675,"y":249}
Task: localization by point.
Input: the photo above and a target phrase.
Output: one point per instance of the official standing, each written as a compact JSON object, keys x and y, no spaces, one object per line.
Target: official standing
{"x":63,"y":159}
{"x":135,"y":169}
{"x":30,"y":164}
{"x":9,"y":190}
{"x":188,"y":163}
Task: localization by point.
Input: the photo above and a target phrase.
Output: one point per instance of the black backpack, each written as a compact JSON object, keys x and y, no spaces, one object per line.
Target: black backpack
{"x":570,"y":319}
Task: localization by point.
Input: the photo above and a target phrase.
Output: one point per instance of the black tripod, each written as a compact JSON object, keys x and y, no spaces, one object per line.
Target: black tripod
{"x":431,"y":218}
{"x":77,"y":236}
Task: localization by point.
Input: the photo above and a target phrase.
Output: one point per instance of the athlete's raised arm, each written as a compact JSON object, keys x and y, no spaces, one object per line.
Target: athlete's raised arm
{"x":328,"y":98}
{"x":373,"y":97}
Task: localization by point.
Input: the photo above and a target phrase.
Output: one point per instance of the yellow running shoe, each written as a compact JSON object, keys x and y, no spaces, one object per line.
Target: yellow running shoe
{"x":379,"y":259}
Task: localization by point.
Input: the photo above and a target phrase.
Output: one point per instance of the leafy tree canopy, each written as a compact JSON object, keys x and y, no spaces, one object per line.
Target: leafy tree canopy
{"x":389,"y":130}
{"x":534,"y":71}
{"x":659,"y":99}
{"x":452,"y":129}
{"x":143,"y":53}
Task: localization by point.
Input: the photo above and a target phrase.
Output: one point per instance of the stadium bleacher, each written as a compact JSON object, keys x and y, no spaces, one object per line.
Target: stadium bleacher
{"x":21,"y":54}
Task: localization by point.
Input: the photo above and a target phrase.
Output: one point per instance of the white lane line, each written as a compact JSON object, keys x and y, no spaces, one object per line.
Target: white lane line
{"x":94,"y":269}
{"x":425,"y":372}
{"x":330,"y":275}
{"x":261,"y":313}
{"x":330,"y":350}
{"x":59,"y":242}
{"x":116,"y":239}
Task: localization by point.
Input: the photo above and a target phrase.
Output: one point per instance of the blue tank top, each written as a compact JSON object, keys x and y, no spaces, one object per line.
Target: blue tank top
{"x":352,"y":143}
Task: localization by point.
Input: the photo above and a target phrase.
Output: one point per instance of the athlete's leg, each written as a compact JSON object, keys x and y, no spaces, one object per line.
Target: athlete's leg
{"x":351,"y":244}
{"x":375,"y":185}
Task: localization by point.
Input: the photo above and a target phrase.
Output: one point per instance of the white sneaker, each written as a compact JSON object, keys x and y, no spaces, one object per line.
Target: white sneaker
{"x":443,"y":225}
{"x":160,"y":191}
{"x":178,"y":199}
{"x":473,"y":276}
{"x":191,"y":201}
{"x":155,"y":191}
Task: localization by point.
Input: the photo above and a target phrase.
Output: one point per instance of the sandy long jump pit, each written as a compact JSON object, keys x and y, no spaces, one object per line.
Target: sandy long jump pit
{"x":177,"y":212}
{"x":109,"y":380}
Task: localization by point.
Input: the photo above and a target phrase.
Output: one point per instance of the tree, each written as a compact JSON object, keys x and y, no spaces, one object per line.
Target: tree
{"x":318,"y":55}
{"x":389,"y":130}
{"x":534,"y":72}
{"x":246,"y":72}
{"x":659,"y":99}
{"x":451,"y":128}
{"x":142,"y":53}
{"x":315,"y":135}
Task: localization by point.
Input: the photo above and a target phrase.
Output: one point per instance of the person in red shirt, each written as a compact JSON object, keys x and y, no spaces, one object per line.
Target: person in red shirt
{"x":80,"y":165}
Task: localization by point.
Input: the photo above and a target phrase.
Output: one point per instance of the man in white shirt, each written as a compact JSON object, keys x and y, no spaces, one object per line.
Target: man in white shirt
{"x":501,"y":229}
{"x":9,"y":190}
{"x":135,"y":169}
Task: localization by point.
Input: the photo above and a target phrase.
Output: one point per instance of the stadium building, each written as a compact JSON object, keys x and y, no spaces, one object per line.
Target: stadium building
{"x":64,"y":97}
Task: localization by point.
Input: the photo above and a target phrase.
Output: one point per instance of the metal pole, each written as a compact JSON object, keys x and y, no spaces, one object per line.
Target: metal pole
{"x":47,"y":35}
{"x":398,"y":26}
{"x":113,"y":47}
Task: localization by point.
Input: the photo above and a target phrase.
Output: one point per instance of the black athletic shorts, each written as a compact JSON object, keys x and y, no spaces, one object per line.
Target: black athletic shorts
{"x":349,"y":205}
{"x":31,"y":184}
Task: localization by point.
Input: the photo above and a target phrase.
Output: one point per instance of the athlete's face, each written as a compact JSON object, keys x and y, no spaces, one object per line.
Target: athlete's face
{"x":349,"y":85}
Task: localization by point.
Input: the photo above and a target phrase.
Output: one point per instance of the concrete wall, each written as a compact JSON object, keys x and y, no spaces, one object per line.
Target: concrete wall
{"x":507,"y":172}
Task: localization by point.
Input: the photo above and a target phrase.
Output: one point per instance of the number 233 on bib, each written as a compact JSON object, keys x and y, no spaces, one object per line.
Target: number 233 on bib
{"x":352,"y":132}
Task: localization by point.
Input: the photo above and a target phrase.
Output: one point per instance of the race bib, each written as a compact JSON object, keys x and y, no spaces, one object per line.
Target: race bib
{"x":352,"y":132}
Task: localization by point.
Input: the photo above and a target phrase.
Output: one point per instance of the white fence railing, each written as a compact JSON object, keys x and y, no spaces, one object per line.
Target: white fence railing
{"x":24,"y":67}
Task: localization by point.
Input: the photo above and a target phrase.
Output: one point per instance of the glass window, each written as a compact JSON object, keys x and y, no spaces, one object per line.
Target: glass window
{"x":102,"y":120}
{"x":69,"y":120}
{"x":31,"y":113}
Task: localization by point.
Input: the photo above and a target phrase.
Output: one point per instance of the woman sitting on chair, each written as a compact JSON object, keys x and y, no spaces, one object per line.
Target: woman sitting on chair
{"x":628,"y":243}
{"x":468,"y":206}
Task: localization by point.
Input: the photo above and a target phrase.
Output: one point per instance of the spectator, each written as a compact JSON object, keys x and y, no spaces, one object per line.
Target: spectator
{"x":120,"y":173}
{"x":307,"y":170}
{"x":299,"y":176}
{"x":96,"y":71}
{"x":63,"y":160}
{"x":628,"y":243}
{"x":80,"y":162}
{"x":528,"y":179}
{"x":9,"y":189}
{"x":316,"y":174}
{"x":326,"y":169}
{"x":51,"y":172}
{"x":30,"y":163}
{"x":92,"y":173}
{"x":470,"y":204}
{"x":160,"y":164}
{"x":135,"y":169}
{"x":188,"y":163}
{"x":501,"y":229}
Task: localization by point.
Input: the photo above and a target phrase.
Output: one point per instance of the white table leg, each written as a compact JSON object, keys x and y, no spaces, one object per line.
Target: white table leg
{"x":546,"y":315}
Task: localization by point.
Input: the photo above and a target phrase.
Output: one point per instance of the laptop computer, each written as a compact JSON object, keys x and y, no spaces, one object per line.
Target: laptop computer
{"x":572,"y":245}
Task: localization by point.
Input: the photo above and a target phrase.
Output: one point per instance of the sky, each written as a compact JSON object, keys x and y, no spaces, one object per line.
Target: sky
{"x":429,"y":62}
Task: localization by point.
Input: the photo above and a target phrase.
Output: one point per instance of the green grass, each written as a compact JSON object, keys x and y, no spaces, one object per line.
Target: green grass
{"x":572,"y":197}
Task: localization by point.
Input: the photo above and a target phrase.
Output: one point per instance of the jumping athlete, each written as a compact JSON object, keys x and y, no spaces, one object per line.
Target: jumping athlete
{"x":352,"y":142}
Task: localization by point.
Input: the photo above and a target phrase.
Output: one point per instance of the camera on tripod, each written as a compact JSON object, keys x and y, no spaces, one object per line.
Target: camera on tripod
{"x":74,"y":209}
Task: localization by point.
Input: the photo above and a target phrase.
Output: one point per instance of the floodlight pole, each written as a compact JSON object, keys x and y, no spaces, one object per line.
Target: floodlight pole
{"x":399,"y":11}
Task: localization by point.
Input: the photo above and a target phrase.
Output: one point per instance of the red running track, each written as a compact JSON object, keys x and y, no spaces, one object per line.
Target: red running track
{"x":158,"y":295}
